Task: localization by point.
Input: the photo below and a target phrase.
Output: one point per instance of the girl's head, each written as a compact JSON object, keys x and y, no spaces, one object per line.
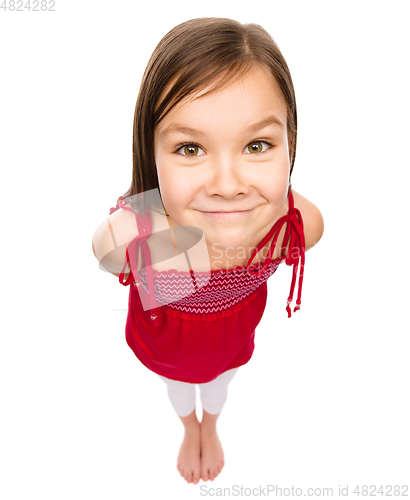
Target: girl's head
{"x":191,"y":56}
{"x":215,"y":67}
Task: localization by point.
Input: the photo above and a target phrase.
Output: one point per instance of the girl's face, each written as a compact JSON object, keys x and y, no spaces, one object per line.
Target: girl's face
{"x":223,"y":161}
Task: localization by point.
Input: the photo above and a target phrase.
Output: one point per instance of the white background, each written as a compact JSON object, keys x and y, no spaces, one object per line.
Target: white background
{"x":324,"y":400}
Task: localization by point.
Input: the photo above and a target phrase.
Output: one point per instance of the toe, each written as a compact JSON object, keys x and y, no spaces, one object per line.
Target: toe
{"x":197,"y":476}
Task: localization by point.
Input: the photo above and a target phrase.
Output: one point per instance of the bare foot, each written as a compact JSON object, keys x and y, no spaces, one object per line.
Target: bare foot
{"x":189,"y":459}
{"x":212,"y":455}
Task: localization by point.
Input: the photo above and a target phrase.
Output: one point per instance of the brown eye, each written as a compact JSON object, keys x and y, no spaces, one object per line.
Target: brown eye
{"x":255,"y":147}
{"x":191,"y":150}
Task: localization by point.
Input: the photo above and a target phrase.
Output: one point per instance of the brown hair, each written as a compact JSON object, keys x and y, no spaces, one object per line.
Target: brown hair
{"x":190,"y":57}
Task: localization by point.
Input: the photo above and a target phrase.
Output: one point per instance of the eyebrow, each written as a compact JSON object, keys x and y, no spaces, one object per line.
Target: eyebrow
{"x":181,"y":129}
{"x":270,"y":121}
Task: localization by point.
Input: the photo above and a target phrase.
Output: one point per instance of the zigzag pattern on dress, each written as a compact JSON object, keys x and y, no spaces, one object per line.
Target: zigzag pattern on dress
{"x":225,"y":289}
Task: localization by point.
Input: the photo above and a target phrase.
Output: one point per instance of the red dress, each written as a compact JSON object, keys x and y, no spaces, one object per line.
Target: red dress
{"x":196,"y":338}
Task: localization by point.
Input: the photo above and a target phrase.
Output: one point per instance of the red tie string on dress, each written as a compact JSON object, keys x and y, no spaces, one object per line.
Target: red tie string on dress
{"x":295,"y":237}
{"x":144,"y":225}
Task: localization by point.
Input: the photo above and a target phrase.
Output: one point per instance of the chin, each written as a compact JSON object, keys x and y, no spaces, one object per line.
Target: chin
{"x":234,"y":240}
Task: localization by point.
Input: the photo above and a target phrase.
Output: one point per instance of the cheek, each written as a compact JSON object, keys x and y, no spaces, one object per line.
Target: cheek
{"x":275,"y":186}
{"x":174,"y":187}
{"x":276,"y":195}
{"x":277,"y":174}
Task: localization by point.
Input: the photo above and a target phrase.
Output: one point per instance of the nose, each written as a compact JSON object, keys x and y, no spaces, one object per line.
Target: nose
{"x":226,"y":177}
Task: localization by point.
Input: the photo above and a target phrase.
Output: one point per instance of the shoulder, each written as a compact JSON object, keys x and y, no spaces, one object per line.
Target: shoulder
{"x":313,"y":223}
{"x":111,"y":238}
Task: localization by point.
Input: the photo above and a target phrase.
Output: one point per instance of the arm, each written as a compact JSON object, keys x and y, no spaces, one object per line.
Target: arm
{"x":109,"y":240}
{"x":313,"y":223}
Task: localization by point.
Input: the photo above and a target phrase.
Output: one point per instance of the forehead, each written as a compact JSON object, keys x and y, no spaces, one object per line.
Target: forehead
{"x":246,"y":97}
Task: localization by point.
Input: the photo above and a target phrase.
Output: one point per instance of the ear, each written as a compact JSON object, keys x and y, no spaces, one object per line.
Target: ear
{"x":313,"y":223}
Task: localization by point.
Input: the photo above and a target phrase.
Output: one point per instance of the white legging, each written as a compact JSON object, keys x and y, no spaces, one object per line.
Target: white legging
{"x":213,"y":394}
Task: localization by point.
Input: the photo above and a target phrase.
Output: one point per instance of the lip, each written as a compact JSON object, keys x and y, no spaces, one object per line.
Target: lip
{"x":227,"y":215}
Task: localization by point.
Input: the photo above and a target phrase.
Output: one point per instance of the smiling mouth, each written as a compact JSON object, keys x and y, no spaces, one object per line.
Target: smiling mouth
{"x":226,"y":211}
{"x":227,"y":215}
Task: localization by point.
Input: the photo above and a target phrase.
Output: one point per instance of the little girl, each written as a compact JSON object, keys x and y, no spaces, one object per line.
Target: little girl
{"x":215,"y":137}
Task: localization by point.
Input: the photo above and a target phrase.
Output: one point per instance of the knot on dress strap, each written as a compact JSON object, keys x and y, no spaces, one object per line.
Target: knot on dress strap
{"x":144,"y":225}
{"x":294,"y":241}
